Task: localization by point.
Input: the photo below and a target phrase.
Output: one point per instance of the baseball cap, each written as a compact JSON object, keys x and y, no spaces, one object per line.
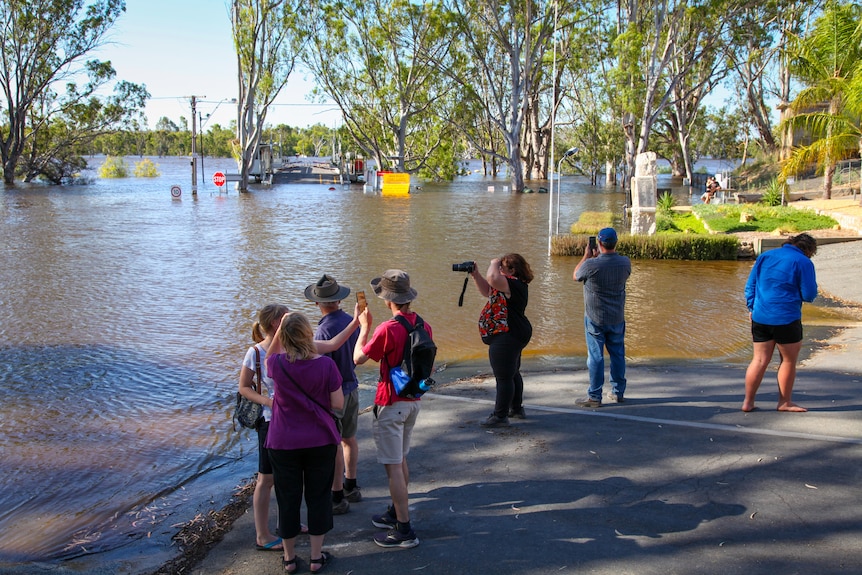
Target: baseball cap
{"x":607,"y":235}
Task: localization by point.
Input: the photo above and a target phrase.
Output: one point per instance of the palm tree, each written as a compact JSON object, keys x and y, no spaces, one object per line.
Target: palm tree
{"x":829,"y":61}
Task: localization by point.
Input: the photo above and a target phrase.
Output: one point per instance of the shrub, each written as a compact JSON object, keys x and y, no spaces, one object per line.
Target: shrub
{"x":665,"y":203}
{"x":774,"y":194}
{"x":146,"y":169}
{"x":658,"y":247}
{"x":113,"y":167}
{"x":664,"y":223}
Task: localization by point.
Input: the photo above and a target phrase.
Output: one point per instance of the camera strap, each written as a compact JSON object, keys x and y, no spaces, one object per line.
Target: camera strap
{"x":461,"y":299}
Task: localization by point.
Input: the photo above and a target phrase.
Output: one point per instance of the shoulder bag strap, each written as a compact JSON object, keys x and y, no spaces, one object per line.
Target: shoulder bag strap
{"x":305,"y":393}
{"x":258,"y":387}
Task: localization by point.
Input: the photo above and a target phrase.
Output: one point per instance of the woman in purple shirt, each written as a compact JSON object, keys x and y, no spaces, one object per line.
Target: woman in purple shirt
{"x":302,"y":435}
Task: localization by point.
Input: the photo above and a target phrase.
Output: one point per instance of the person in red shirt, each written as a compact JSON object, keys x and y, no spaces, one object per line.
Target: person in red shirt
{"x":394,"y":417}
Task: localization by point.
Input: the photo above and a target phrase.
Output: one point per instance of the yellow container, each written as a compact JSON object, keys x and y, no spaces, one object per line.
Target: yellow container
{"x":395,"y":185}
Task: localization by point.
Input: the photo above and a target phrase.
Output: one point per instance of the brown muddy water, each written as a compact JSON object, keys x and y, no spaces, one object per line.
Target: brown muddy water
{"x":126,"y":313}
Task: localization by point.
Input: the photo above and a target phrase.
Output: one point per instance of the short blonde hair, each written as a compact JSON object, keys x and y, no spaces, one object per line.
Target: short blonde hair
{"x":297,"y":337}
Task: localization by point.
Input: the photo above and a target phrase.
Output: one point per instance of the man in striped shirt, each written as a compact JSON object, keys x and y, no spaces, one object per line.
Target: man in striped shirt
{"x":604,"y":273}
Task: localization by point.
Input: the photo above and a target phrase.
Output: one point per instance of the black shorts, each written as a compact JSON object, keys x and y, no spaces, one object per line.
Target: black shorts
{"x":787,"y":333}
{"x":263,"y":464}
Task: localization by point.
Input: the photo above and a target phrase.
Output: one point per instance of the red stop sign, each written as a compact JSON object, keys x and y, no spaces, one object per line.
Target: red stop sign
{"x":219,"y":179}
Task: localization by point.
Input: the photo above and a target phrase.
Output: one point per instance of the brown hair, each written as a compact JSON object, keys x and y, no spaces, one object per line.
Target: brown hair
{"x":519,"y":265}
{"x":268,"y":316}
{"x":804,"y":242}
{"x":297,"y":337}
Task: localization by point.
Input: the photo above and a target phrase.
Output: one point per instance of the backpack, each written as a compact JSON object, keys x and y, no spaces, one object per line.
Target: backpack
{"x":418,"y":362}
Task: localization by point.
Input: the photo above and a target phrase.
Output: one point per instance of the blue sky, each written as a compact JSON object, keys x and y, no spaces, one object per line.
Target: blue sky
{"x":180,"y":48}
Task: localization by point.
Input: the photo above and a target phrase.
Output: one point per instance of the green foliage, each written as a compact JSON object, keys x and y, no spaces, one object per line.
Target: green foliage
{"x":144,"y":169}
{"x":727,"y":218}
{"x":592,"y":222}
{"x":113,"y":167}
{"x":657,"y":247}
{"x":53,"y":97}
{"x":665,"y":223}
{"x":827,"y":60}
{"x":774,"y":194}
{"x":665,"y":203}
{"x":687,"y":222}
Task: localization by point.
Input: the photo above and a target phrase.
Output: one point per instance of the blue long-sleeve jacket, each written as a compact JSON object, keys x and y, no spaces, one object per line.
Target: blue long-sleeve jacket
{"x":779,"y":282}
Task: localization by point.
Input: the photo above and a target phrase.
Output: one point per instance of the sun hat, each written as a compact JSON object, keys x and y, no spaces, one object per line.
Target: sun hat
{"x":326,"y":290}
{"x":394,"y":286}
{"x":607,"y":235}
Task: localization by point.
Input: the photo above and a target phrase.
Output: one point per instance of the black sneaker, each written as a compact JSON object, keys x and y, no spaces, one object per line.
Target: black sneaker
{"x":494,"y":421}
{"x":385,"y":520}
{"x":517,"y":413}
{"x":353,"y":495}
{"x":341,"y":507}
{"x":394,"y":538}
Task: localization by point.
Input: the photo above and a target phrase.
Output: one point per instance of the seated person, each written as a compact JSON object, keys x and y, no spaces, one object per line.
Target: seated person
{"x":711,"y":188}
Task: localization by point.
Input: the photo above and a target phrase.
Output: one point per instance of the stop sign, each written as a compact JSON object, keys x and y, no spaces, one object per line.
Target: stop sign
{"x":219,"y":179}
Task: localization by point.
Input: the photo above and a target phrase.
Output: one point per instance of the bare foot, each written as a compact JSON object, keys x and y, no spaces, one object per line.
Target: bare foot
{"x":790,"y":406}
{"x":747,"y":407}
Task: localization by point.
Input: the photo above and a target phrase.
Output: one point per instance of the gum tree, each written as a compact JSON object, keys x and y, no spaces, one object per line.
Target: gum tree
{"x":374,"y":60}
{"x":267,"y":39}
{"x":49,"y":87}
{"x":504,"y":43}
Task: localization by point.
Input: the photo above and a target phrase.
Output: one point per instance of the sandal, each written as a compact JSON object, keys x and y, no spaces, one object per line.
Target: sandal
{"x":274,"y":545}
{"x":324,"y":560}
{"x":288,"y":564}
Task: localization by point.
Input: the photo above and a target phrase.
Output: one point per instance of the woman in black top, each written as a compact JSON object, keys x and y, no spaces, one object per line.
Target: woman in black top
{"x":506,"y":330}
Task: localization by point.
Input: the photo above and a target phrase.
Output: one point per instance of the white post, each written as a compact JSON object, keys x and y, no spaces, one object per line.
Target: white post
{"x":553,"y":130}
{"x":194,"y":163}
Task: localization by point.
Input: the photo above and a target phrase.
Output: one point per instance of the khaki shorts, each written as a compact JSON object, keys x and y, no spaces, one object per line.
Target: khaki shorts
{"x":349,"y":414}
{"x":392,"y":428}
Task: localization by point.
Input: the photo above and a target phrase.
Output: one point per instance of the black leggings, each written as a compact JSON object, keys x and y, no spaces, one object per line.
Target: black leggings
{"x":306,"y":471}
{"x":505,"y":357}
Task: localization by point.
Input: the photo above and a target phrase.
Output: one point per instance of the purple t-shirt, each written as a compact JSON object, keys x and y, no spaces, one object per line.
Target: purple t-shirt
{"x":297,"y":421}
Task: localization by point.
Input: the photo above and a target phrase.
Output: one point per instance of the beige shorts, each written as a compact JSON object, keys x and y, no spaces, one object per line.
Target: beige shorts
{"x":349,"y":414}
{"x":392,"y":427}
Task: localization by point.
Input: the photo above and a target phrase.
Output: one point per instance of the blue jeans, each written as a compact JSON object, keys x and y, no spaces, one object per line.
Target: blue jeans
{"x":612,"y":338}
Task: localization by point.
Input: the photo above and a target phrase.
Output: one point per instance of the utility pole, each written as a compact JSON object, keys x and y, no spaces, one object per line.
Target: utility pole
{"x":194,"y":151}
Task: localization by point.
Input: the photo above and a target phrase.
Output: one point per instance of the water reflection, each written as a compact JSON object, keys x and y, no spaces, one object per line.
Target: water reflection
{"x":125,"y":315}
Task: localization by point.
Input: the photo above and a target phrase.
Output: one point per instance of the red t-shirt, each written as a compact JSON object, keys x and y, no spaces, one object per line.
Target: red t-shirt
{"x":387,"y":346}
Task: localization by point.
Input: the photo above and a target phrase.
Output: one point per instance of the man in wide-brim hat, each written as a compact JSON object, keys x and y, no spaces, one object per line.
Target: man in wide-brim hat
{"x":327,"y":294}
{"x":394,"y":416}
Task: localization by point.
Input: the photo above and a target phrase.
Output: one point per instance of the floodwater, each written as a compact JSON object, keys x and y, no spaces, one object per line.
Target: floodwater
{"x":125,"y":315}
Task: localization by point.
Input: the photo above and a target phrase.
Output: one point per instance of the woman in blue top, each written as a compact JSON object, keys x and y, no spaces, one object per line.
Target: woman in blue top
{"x":779,"y":282}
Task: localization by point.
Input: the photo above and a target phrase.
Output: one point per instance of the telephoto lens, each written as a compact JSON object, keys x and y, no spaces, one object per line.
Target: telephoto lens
{"x":463,"y":267}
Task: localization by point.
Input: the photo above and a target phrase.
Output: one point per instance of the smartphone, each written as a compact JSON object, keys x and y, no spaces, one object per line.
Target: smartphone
{"x":360,"y":299}
{"x":593,"y":243}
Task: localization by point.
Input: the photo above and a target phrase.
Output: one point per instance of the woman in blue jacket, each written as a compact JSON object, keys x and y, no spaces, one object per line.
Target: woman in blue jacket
{"x":779,"y":282}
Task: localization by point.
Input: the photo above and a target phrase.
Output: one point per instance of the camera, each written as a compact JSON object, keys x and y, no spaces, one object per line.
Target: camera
{"x":463,"y":267}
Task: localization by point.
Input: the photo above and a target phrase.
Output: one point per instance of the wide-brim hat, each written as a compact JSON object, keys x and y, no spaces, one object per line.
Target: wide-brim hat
{"x":394,"y":286}
{"x":326,"y":290}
